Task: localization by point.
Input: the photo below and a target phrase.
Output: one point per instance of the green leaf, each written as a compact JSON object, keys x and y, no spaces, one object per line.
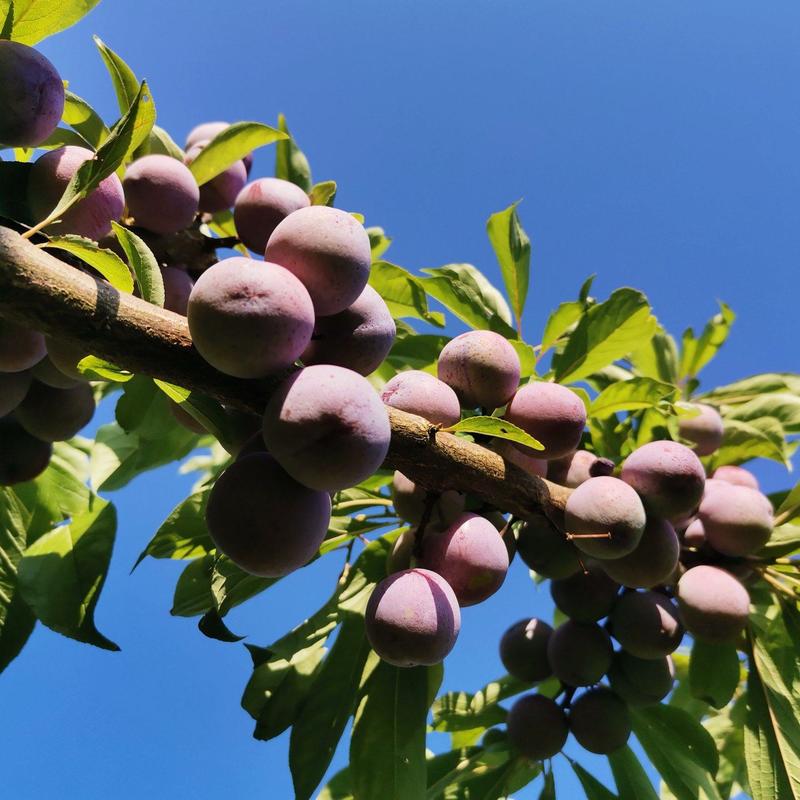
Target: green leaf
{"x":420,"y":351}
{"x":126,"y":84}
{"x":78,"y":114}
{"x":99,"y":369}
{"x":338,"y":787}
{"x":714,"y":672}
{"x":8,"y":22}
{"x":61,"y":137}
{"x":784,"y":541}
{"x":229,"y":146}
{"x":635,"y":394}
{"x":527,"y":357}
{"x":593,"y":789}
{"x":459,"y":711}
{"x":387,"y":749}
{"x":749,"y":388}
{"x":378,"y":242}
{"x":698,"y":352}
{"x":790,"y":506}
{"x":496,"y":427}
{"x":161,"y":143}
{"x":657,"y":358}
{"x":144,"y":264}
{"x":330,"y":702}
{"x":61,"y":574}
{"x":212,"y":626}
{"x":192,"y":595}
{"x":630,"y":777}
{"x":323,"y":194}
{"x":549,"y":787}
{"x":513,"y":250}
{"x":470,"y":296}
{"x":231,"y":586}
{"x":403,"y":293}
{"x":559,"y":322}
{"x":291,"y":163}
{"x":35,"y":20}
{"x":105,"y":261}
{"x":741,"y":441}
{"x":608,"y":331}
{"x":783,"y":406}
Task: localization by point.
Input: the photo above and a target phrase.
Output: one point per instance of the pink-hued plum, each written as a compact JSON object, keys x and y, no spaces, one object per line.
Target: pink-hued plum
{"x":579,"y":653}
{"x":20,"y":348}
{"x":358,"y":338}
{"x":409,"y":502}
{"x":695,"y":534}
{"x":646,"y":624}
{"x":413,"y":618}
{"x":576,"y":468}
{"x":546,"y":550}
{"x":65,"y":357}
{"x":248,"y":318}
{"x":714,"y":606}
{"x":641,"y":681}
{"x":550,"y":413}
{"x":704,"y":430}
{"x":13,"y":388}
{"x":31,"y":96}
{"x":48,"y":373}
{"x":204,"y":132}
{"x":510,"y":452}
{"x":261,"y":206}
{"x":585,"y":596}
{"x":737,"y":520}
{"x":221,"y":191}
{"x":737,"y":475}
{"x":523,"y":650}
{"x":178,"y":287}
{"x":481,"y":367}
{"x":90,"y":217}
{"x":22,"y":457}
{"x":422,"y":394}
{"x":328,"y":250}
{"x":537,"y":727}
{"x":605,"y":505}
{"x":652,"y":562}
{"x":55,"y":415}
{"x":599,"y":721}
{"x":668,"y":476}
{"x":327,"y":427}
{"x":470,"y":555}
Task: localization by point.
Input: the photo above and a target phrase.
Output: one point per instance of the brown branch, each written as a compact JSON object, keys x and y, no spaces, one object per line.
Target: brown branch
{"x":42,"y":292}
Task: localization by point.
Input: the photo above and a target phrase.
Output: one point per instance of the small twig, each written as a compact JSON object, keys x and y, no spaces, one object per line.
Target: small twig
{"x":571,"y":536}
{"x":777,"y":585}
{"x":431,"y":499}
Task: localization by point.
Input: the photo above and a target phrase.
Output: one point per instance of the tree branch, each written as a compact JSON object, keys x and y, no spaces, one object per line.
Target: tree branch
{"x":42,"y":292}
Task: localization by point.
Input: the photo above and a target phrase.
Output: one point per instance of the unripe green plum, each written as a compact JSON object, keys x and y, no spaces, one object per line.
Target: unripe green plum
{"x":668,"y":476}
{"x":600,"y":721}
{"x":261,"y":206}
{"x":413,"y":618}
{"x":531,"y":465}
{"x":358,"y":338}
{"x":737,"y":520}
{"x":523,"y":650}
{"x":20,"y":348}
{"x":220,"y":193}
{"x":576,"y":468}
{"x":605,"y":505}
{"x":736,"y":475}
{"x":55,"y":415}
{"x":641,"y":681}
{"x":263,"y":520}
{"x":550,"y":413}
{"x":646,"y":624}
{"x":90,"y":217}
{"x":704,"y":430}
{"x":13,"y":388}
{"x":249,"y":319}
{"x":161,"y":193}
{"x":422,"y":394}
{"x":177,"y":289}
{"x":22,"y":457}
{"x":714,"y":606}
{"x":327,"y":427}
{"x":328,"y":250}
{"x":546,"y":550}
{"x":585,"y":596}
{"x":481,"y":367}
{"x":31,"y":96}
{"x":579,"y":653}
{"x":470,"y":555}
{"x":652,"y":562}
{"x":409,"y":502}
{"x":537,"y":727}
{"x":48,"y":373}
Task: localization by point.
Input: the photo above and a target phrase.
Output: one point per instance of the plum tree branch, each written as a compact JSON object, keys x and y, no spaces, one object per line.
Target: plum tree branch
{"x":42,"y":292}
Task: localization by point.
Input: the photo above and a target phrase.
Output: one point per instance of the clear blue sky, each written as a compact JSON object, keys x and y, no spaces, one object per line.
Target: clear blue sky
{"x":655,"y":144}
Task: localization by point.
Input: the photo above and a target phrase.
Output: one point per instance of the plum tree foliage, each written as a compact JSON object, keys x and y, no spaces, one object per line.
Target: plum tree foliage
{"x":336,"y":412}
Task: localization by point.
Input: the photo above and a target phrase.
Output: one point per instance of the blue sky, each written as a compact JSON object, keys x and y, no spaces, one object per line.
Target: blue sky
{"x":654,"y":144}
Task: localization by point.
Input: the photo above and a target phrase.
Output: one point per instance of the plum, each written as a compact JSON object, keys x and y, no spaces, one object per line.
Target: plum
{"x":328,"y":250}
{"x":546,"y":550}
{"x":358,"y":338}
{"x":646,"y":624}
{"x":537,"y":727}
{"x":20,"y":348}
{"x":510,"y":452}
{"x":13,"y":388}
{"x":422,"y":394}
{"x":523,"y":650}
{"x":90,"y":217}
{"x":22,"y":457}
{"x":204,"y":132}
{"x":704,"y":430}
{"x":737,"y":475}
{"x":481,"y":367}
{"x":409,"y":502}
{"x":576,"y":468}
{"x":470,"y":555}
{"x":263,"y":520}
{"x":161,"y":193}
{"x":695,"y":534}
{"x":249,"y":319}
{"x":605,"y":505}
{"x":48,"y":373}
{"x":65,"y":357}
{"x":585,"y":596}
{"x":31,"y":96}
{"x":668,"y":476}
{"x":221,"y":191}
{"x":550,"y":413}
{"x":55,"y":415}
{"x":713,"y":604}
{"x":579,"y":653}
{"x":652,"y":562}
{"x":327,"y":427}
{"x":413,"y":618}
{"x":401,"y":554}
{"x":178,"y":287}
{"x":599,"y":720}
{"x":185,"y":419}
{"x":737,"y":520}
{"x":641,"y":681}
{"x":261,"y":206}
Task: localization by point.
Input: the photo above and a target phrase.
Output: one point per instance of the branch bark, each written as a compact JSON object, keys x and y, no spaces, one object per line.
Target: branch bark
{"x":42,"y":292}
